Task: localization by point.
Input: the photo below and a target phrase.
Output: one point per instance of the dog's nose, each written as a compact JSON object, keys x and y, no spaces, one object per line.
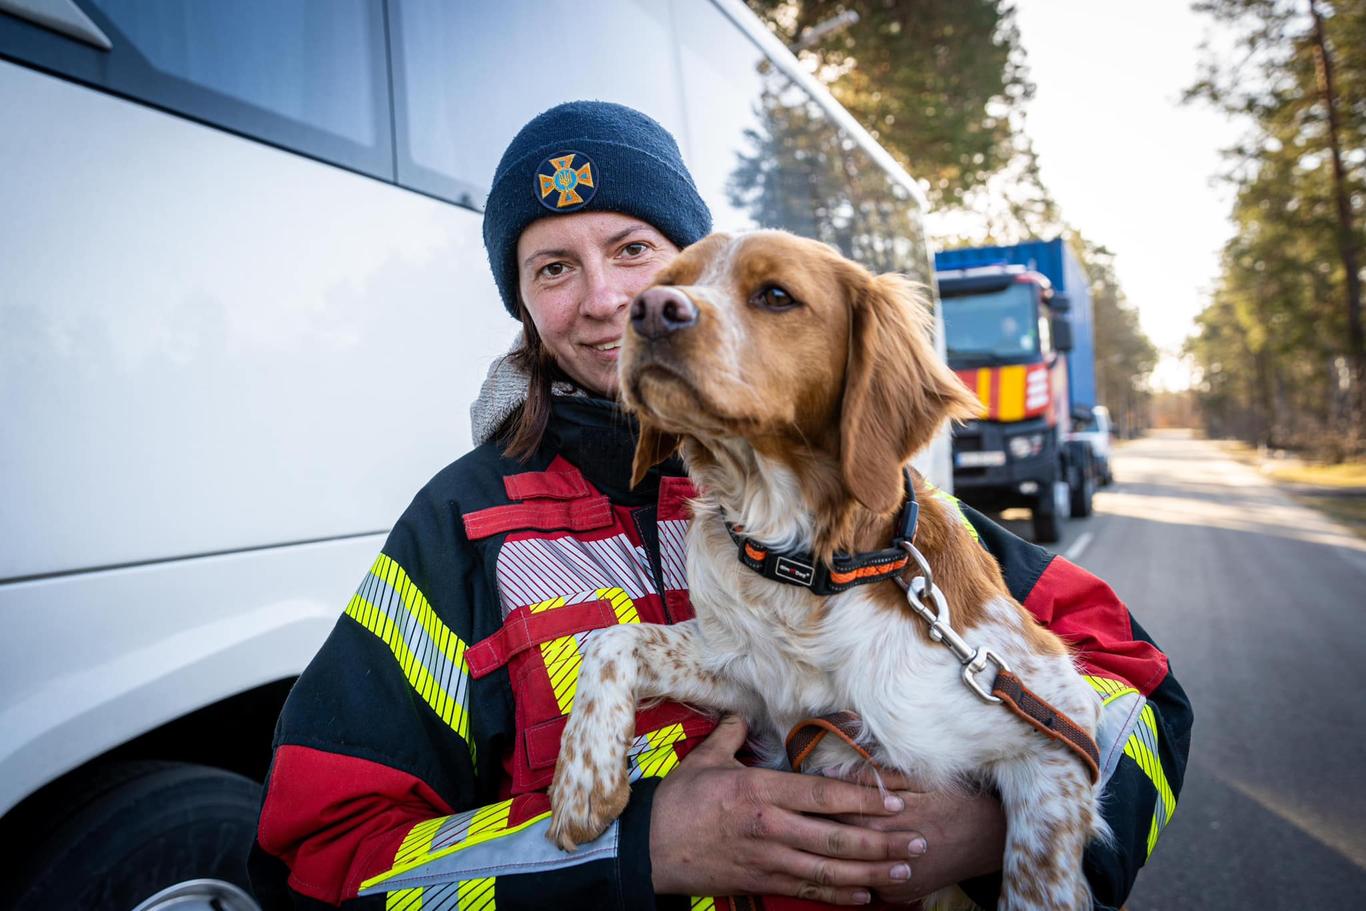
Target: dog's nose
{"x":658,"y":311}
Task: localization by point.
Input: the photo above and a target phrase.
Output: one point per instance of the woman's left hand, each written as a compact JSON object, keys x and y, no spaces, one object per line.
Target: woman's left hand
{"x":965,"y":835}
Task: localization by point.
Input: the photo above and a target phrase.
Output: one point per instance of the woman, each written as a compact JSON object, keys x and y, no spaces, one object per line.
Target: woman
{"x":412,"y":756}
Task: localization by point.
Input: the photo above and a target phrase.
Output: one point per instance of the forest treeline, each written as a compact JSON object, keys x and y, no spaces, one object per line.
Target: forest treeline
{"x":1279,"y":348}
{"x":942,"y":84}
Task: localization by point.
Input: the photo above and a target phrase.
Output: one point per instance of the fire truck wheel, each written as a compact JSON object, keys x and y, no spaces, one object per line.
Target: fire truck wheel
{"x":1047,"y":522}
{"x":1083,"y":488}
{"x":142,"y":836}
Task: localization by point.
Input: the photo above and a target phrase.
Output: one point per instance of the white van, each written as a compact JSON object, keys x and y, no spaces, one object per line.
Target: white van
{"x":244,"y":306}
{"x":1096,"y":432}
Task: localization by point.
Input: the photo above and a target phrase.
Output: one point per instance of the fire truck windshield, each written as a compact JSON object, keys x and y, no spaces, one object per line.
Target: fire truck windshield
{"x":998,"y":324}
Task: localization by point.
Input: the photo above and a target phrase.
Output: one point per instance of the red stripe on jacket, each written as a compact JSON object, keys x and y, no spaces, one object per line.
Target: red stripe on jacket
{"x":1089,"y":616}
{"x":364,"y":808}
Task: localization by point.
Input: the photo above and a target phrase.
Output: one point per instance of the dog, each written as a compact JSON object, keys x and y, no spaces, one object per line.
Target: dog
{"x":797,"y":386}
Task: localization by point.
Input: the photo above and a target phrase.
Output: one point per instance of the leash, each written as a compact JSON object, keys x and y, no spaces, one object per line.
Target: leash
{"x":806,"y":735}
{"x":927,"y":602}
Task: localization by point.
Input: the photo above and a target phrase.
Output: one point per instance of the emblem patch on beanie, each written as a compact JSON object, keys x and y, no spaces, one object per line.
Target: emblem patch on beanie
{"x":563,"y":184}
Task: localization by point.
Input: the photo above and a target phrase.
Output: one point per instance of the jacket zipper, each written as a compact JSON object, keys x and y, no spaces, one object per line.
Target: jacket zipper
{"x":653,"y":555}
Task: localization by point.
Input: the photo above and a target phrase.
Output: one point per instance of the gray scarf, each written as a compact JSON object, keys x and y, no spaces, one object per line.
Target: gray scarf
{"x":503,"y":392}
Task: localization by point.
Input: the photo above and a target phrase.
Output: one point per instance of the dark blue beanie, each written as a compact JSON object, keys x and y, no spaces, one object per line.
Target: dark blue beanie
{"x":588,"y":156}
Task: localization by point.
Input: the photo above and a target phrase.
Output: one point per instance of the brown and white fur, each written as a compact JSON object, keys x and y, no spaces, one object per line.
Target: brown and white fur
{"x":795,"y":416}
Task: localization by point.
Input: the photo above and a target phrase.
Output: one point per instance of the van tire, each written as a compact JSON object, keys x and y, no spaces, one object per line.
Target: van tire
{"x":122,"y":833}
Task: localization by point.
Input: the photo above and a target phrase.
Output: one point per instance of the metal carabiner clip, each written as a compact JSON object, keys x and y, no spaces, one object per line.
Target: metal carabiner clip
{"x":921,"y":593}
{"x":938,"y":619}
{"x":978,"y":663}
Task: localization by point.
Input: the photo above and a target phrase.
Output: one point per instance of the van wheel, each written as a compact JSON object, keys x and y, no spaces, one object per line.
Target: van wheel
{"x":142,"y":836}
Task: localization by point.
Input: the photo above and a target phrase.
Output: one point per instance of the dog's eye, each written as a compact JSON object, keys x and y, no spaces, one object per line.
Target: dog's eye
{"x":771,"y":297}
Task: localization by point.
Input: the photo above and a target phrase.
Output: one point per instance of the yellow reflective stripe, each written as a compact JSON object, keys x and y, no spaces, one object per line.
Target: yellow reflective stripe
{"x":563,"y":656}
{"x":984,"y":390}
{"x":622,"y":604}
{"x":1149,"y":721}
{"x":442,"y":648}
{"x":661,"y":758}
{"x":1110,"y":690}
{"x":1145,"y":756}
{"x":657,"y":763}
{"x":562,"y":661}
{"x":403,"y":900}
{"x":450,"y":645}
{"x":665,"y":736}
{"x":487,"y":824}
{"x":448,"y":709}
{"x":955,"y":508}
{"x":475,"y":895}
{"x":416,"y":843}
{"x":1141,"y":750}
{"x":546,"y":605}
{"x":1011,"y":401}
{"x":702,"y":903}
{"x":492,"y":818}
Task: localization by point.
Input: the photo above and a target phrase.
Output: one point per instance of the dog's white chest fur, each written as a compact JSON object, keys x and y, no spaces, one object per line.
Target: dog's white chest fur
{"x":919,"y":716}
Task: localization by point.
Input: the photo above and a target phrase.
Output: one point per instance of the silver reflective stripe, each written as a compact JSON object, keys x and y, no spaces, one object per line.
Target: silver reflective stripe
{"x":1122,"y":707}
{"x":523,"y":851}
{"x":62,"y":16}
{"x":450,"y":677}
{"x":1146,"y":735}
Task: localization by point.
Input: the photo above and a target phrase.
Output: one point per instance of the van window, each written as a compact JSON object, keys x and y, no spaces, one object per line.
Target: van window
{"x":888,"y":232}
{"x":795,"y":173}
{"x":726,"y":78}
{"x":308,"y":75}
{"x":458,"y":102}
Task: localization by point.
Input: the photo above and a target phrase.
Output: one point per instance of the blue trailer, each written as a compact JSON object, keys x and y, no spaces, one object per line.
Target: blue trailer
{"x":1020,"y":334}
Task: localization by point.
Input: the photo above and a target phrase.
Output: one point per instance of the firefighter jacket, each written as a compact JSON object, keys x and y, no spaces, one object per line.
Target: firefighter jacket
{"x":412,"y":756}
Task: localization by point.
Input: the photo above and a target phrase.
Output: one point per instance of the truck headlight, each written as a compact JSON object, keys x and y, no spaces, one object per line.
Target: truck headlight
{"x":1025,"y":445}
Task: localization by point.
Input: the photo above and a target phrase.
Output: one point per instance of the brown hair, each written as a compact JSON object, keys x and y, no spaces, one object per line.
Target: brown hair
{"x":524,"y":429}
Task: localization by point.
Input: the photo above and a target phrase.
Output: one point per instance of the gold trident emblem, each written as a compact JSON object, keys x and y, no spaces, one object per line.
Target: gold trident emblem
{"x":565,"y":179}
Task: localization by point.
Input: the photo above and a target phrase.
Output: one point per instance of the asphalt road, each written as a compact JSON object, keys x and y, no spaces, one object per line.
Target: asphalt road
{"x":1260,"y":604}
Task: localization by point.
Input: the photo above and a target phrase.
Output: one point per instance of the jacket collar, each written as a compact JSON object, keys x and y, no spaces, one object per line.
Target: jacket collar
{"x":600,"y":440}
{"x":594,"y":434}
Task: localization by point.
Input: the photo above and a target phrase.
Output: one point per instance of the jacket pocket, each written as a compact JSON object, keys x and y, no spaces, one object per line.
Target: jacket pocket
{"x":542,"y":647}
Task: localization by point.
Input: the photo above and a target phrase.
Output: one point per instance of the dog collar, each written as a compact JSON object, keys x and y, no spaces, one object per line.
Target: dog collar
{"x":844,"y":570}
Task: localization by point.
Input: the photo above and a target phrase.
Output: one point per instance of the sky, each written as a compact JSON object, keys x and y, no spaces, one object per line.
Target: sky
{"x":1129,"y":165}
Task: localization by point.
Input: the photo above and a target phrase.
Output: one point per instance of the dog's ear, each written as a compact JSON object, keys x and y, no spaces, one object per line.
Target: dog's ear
{"x":897,"y":390}
{"x":653,"y":447}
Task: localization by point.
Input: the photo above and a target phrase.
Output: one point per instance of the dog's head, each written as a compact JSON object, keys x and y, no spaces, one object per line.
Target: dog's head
{"x":783,"y":343}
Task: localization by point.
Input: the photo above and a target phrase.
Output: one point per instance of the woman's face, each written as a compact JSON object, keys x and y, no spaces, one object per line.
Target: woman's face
{"x":577,"y":275}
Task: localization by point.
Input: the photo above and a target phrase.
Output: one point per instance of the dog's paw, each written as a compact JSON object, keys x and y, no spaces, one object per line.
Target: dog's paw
{"x":584,"y":800}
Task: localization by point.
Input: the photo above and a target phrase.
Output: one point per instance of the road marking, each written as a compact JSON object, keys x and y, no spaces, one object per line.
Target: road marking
{"x":1079,"y":545}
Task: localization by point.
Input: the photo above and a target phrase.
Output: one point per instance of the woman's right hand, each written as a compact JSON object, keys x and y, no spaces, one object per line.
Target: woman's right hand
{"x":720,"y":828}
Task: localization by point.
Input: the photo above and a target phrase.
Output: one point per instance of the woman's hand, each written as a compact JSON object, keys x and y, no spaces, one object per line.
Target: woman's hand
{"x":719,"y":828}
{"x":965,"y":836}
